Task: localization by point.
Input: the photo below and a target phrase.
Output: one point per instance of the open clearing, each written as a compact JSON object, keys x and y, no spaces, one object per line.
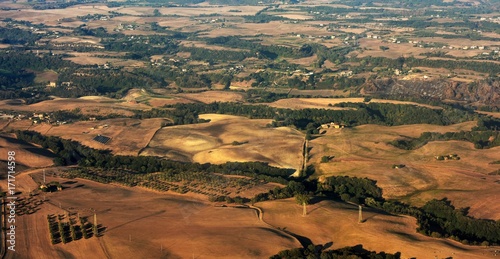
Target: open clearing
{"x":143,"y":224}
{"x":335,"y":222}
{"x":364,"y":151}
{"x":212,"y":142}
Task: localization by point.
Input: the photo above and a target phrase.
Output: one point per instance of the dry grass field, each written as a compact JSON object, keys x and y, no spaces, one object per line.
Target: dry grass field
{"x":199,"y":44}
{"x":143,"y":224}
{"x":394,"y":51}
{"x":26,"y":154}
{"x":493,"y":114}
{"x":364,"y":151}
{"x":52,"y":17}
{"x":212,"y":96}
{"x":274,"y":28}
{"x":46,"y":76}
{"x":193,"y":11}
{"x":91,"y":58}
{"x":337,"y":223}
{"x":97,"y":105}
{"x":212,"y":142}
{"x":128,"y":136}
{"x":160,"y":99}
{"x":152,"y":99}
{"x":322,"y":103}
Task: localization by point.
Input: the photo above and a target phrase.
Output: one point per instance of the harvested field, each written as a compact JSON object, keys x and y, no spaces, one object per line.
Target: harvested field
{"x":394,"y":51}
{"x":199,"y":44}
{"x":364,"y":151}
{"x":51,"y":17}
{"x":46,"y":76}
{"x":308,"y":61}
{"x":25,"y":153}
{"x":193,"y":11}
{"x":152,"y":99}
{"x":90,"y":58}
{"x":493,"y":114}
{"x":337,"y":223}
{"x":274,"y":28}
{"x":142,"y":224}
{"x":322,"y":103}
{"x":295,"y":16}
{"x":128,"y":136}
{"x":88,"y":105}
{"x":213,"y":142}
{"x":212,"y":96}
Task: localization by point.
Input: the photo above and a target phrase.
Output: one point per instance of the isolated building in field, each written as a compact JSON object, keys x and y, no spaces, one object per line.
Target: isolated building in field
{"x":334,"y":125}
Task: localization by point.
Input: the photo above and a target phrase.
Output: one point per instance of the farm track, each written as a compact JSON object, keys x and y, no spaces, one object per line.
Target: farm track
{"x":149,"y":141}
{"x":104,"y":247}
{"x":304,"y":241}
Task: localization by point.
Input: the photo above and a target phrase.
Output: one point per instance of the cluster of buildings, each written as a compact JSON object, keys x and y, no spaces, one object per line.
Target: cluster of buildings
{"x":38,"y":118}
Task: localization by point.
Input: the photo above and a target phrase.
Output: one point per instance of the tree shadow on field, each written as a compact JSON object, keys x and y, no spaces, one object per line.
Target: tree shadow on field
{"x":304,"y":241}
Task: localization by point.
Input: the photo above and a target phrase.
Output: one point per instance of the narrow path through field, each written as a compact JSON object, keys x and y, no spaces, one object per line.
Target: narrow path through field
{"x":5,"y":126}
{"x":304,"y":241}
{"x":104,"y":247}
{"x":149,"y":141}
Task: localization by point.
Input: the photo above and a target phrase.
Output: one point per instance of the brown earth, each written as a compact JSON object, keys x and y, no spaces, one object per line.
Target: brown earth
{"x":337,"y":224}
{"x":128,"y":136}
{"x":142,"y":224}
{"x":213,"y":96}
{"x":213,"y":142}
{"x":323,"y":103}
{"x":364,"y":151}
{"x":88,"y":105}
{"x":25,"y":153}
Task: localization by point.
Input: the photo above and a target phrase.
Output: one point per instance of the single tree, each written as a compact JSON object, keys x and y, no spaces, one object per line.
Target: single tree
{"x":304,"y":200}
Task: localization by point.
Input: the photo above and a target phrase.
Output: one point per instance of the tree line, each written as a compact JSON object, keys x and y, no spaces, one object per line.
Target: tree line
{"x":73,"y":153}
{"x":320,"y":252}
{"x":437,"y":218}
{"x":484,"y":135}
{"x":371,"y":113}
